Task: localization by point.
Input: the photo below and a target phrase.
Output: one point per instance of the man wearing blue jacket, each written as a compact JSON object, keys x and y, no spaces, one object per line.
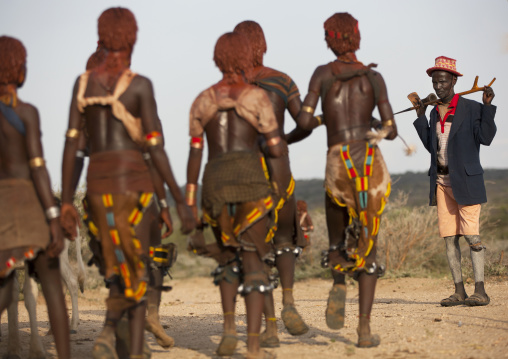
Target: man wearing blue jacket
{"x":453,"y":136}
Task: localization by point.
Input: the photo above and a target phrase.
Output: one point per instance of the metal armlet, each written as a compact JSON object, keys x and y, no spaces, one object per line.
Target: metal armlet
{"x":37,"y":162}
{"x":274,"y":141}
{"x":308,"y":109}
{"x":72,"y":133}
{"x":190,"y":194}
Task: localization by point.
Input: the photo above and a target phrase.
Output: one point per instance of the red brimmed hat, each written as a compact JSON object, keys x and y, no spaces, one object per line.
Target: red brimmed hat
{"x":444,"y":63}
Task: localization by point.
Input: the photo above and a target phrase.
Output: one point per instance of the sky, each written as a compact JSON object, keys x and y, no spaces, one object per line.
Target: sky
{"x":175,"y":50}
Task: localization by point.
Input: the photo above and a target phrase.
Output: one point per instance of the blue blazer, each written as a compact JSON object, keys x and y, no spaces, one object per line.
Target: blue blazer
{"x":472,"y":126}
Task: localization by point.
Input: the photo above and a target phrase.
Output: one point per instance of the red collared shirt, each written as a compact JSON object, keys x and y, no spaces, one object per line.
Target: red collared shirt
{"x":451,"y":111}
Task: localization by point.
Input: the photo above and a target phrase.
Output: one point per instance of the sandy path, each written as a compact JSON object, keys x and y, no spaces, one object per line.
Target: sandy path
{"x":406,"y":315}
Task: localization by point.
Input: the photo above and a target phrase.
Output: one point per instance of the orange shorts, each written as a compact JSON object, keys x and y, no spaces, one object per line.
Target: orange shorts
{"x":454,"y":218}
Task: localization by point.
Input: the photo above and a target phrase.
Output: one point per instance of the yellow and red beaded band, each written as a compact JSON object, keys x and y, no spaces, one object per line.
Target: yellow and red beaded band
{"x":190,"y":194}
{"x":196,"y":142}
{"x":273,"y":141}
{"x":37,"y":162}
{"x":72,"y":133}
{"x":154,"y":138}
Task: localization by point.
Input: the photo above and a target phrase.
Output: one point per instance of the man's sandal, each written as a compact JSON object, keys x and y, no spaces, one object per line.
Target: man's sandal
{"x":477,"y":300}
{"x":453,"y":300}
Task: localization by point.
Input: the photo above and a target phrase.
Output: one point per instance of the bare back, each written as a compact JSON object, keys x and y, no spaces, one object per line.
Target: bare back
{"x":228,"y":132}
{"x":349,"y":93}
{"x":13,"y":145}
{"x":104,"y":131}
{"x":347,"y":105}
{"x":232,"y":115}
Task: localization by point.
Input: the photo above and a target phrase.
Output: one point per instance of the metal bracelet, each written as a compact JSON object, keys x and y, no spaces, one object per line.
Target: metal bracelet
{"x":319,"y":120}
{"x":52,"y":213}
{"x":388,"y":123}
{"x":163,"y":203}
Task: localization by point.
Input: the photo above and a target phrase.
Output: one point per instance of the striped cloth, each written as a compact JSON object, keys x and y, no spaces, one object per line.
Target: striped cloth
{"x":275,"y":81}
{"x":442,"y":144}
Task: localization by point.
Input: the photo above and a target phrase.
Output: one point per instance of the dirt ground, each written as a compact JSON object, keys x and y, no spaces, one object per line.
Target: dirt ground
{"x":406,"y":315}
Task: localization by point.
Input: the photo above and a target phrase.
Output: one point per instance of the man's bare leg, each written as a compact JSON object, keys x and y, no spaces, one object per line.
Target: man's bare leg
{"x":367,"y":287}
{"x":105,"y":344}
{"x":337,"y":219}
{"x":153,"y":298}
{"x":48,"y":272}
{"x":269,"y":338}
{"x":285,"y":263}
{"x":454,"y":261}
{"x":254,"y":272}
{"x":228,"y":292}
{"x":137,"y":314}
{"x":228,"y":288}
{"x":254,"y":301}
{"x":477,"y":251}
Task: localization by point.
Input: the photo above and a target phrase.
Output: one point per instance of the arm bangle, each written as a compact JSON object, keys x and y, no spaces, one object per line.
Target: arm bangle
{"x":72,"y":133}
{"x":36,"y":162}
{"x":319,"y":120}
{"x":154,"y":141}
{"x":52,"y":213}
{"x":163,"y":203}
{"x":308,"y":109}
{"x":196,"y":142}
{"x":273,"y":141}
{"x":154,"y":138}
{"x":190,"y":194}
{"x":388,"y":123}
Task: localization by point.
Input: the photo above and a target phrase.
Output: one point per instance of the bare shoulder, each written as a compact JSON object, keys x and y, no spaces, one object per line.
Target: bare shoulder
{"x":322,"y":70}
{"x":141,"y":82}
{"x":28,"y":113}
{"x":321,"y":73}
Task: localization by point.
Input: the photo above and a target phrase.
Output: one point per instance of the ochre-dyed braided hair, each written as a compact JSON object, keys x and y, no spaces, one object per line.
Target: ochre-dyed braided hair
{"x":232,"y":53}
{"x":12,"y":60}
{"x":253,"y":31}
{"x":117,"y":29}
{"x":96,"y":59}
{"x":342,"y":34}
{"x":301,"y":206}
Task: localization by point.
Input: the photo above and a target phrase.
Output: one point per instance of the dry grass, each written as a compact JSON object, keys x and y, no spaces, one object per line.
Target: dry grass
{"x":409,"y":244}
